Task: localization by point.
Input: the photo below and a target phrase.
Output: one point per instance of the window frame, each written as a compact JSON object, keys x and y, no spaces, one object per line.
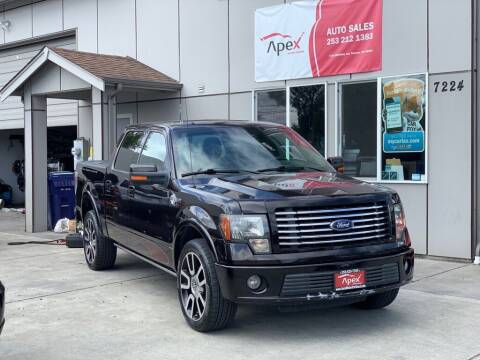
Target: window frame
{"x":166,"y":162}
{"x":379,"y":129}
{"x":325,"y":115}
{"x":287,"y":105}
{"x":254,"y":100}
{"x":114,"y":161}
{"x":339,"y":123}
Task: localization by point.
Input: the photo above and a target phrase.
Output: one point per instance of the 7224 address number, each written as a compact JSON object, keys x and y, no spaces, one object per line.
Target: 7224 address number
{"x":445,"y":86}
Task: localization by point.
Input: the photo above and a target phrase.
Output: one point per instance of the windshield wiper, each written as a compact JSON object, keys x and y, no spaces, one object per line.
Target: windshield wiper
{"x":217,"y":171}
{"x":284,"y":168}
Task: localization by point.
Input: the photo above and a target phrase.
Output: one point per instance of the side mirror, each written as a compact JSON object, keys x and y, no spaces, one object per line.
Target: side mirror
{"x":148,"y":174}
{"x":337,"y":163}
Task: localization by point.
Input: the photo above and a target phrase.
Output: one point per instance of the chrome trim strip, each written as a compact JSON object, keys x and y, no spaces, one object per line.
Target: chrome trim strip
{"x":328,"y":229}
{"x":331,"y":235}
{"x":328,"y":211}
{"x":328,"y":223}
{"x":328,"y":242}
{"x":331,"y":217}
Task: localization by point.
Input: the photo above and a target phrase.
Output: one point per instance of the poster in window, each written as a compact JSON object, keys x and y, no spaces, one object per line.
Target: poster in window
{"x":403,"y":128}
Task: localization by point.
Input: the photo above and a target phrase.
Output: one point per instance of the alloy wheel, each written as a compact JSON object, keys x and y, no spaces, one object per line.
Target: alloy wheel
{"x":193,"y":287}
{"x":90,"y":241}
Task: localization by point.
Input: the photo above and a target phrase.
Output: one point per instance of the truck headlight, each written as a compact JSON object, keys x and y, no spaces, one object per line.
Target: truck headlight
{"x":252,"y":229}
{"x":400,"y":224}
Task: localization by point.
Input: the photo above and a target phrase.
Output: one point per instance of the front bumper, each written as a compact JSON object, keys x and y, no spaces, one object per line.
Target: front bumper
{"x":233,"y":280}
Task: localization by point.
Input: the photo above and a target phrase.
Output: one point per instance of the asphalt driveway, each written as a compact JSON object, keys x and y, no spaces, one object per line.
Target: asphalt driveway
{"x":58,"y":309}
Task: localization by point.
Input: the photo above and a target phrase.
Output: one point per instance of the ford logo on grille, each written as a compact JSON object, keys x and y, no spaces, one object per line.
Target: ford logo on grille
{"x":341,"y":225}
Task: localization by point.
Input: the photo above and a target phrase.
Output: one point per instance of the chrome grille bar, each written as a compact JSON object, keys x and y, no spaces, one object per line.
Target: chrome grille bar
{"x":331,"y":217}
{"x":329,"y":210}
{"x":328,"y":242}
{"x":327,"y":229}
{"x":330,"y":235}
{"x":297,"y":227}
{"x":328,"y":223}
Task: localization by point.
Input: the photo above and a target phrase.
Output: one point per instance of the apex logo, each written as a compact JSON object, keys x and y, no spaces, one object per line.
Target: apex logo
{"x":282,"y":42}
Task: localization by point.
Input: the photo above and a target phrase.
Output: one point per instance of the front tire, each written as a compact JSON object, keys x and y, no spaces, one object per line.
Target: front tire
{"x":203,"y":306}
{"x":100,"y":253}
{"x":378,"y":301}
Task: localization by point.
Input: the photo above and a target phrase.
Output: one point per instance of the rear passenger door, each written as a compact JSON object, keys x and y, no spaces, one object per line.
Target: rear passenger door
{"x":118,"y":191}
{"x":151,"y":208}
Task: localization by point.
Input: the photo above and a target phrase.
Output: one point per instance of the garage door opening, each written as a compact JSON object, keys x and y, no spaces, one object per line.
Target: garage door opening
{"x":59,"y":146}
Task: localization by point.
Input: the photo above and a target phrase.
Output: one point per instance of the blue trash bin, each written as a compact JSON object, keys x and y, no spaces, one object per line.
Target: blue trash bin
{"x":61,"y":196}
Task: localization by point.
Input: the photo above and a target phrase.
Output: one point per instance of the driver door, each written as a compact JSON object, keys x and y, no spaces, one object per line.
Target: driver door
{"x":152,"y":213}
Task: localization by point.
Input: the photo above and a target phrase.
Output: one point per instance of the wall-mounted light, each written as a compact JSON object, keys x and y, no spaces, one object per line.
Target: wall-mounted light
{"x":5,"y":24}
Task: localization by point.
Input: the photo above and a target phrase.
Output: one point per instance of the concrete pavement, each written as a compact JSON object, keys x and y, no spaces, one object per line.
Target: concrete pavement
{"x":59,"y":309}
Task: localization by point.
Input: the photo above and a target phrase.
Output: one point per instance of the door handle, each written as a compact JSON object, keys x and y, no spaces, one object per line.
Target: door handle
{"x":131,"y":191}
{"x":108,"y":185}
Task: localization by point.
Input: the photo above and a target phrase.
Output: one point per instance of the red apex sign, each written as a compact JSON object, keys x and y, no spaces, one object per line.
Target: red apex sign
{"x":318,"y":38}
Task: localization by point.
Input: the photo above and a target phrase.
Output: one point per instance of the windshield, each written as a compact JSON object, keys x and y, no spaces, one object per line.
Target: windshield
{"x":217,"y":148}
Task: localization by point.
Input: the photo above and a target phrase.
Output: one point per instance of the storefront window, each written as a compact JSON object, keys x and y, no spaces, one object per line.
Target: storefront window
{"x":307,"y":114}
{"x":271,"y":106}
{"x":359,"y":128}
{"x":403,"y":119}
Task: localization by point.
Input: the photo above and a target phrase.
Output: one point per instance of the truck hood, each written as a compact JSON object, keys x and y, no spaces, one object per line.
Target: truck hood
{"x":281,"y":186}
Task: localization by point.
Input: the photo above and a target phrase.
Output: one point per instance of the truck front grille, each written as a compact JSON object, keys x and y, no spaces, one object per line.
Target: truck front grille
{"x":323,"y":282}
{"x":312,"y":227}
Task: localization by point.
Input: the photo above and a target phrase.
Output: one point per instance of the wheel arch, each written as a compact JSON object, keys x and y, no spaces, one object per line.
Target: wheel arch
{"x":187,"y":231}
{"x":88,"y":203}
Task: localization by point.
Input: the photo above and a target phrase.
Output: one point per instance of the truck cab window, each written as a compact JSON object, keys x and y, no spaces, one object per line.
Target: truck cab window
{"x":129,"y":150}
{"x":154,"y":151}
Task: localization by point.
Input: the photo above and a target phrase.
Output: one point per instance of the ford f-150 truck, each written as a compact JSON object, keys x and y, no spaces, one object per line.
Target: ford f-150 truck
{"x":243,"y":212}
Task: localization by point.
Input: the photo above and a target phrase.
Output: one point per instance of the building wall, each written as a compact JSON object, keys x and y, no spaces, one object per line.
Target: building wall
{"x":208,"y":46}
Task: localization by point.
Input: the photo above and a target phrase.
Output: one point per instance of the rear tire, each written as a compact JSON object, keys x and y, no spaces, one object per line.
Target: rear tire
{"x":100,"y":253}
{"x":202,"y":303}
{"x":378,"y":301}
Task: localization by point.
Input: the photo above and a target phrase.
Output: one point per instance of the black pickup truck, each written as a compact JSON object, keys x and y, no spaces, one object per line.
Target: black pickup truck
{"x":243,"y":212}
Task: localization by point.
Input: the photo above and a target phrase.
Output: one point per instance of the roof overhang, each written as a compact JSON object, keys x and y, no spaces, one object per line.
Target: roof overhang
{"x":93,"y":70}
{"x":41,"y":58}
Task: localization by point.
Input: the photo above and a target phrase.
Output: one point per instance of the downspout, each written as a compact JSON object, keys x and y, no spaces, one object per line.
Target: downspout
{"x":112,"y":117}
{"x":475,"y":112}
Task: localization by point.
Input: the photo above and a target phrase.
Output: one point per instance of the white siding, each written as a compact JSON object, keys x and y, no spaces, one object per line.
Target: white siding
{"x":21,"y":23}
{"x":241,"y":106}
{"x":449,"y":189}
{"x":116,"y":27}
{"x":61,"y":112}
{"x":157,"y":35}
{"x":47,"y":17}
{"x":204,"y":46}
{"x":205,"y":107}
{"x":82,"y":15}
{"x":450,"y":36}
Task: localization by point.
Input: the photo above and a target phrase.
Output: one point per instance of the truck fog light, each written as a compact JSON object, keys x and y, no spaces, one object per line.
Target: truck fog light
{"x":407,"y":266}
{"x":260,"y":246}
{"x":254,"y":282}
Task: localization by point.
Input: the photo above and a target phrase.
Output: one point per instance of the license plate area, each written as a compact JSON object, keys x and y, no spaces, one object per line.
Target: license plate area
{"x":349,"y":279}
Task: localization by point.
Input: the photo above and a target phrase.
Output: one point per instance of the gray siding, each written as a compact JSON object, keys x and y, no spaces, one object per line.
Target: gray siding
{"x":449,"y":189}
{"x":116,"y":27}
{"x":60,"y":112}
{"x":450,"y":47}
{"x":203,"y":47}
{"x":157,"y":28}
{"x":209,"y":43}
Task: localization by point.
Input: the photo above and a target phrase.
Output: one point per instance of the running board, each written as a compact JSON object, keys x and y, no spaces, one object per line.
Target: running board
{"x":161,"y":267}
